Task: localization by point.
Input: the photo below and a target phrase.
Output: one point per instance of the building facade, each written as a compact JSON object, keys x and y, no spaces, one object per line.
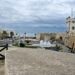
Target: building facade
{"x":49,"y":36}
{"x":70,"y":33}
{"x":43,"y":36}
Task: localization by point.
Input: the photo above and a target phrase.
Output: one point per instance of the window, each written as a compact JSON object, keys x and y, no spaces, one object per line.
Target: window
{"x":73,"y":21}
{"x":73,"y":28}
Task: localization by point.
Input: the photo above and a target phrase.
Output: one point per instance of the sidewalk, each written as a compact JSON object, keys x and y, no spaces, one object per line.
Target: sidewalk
{"x":27,"y":61}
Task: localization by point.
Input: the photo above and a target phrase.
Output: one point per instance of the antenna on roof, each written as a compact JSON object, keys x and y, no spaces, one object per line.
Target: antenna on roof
{"x":72,"y":12}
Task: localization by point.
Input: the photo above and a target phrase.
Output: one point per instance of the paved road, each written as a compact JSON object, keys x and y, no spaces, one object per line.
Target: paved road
{"x":39,"y":62}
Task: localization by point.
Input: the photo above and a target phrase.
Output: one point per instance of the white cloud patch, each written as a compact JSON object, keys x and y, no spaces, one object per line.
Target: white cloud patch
{"x":35,"y":11}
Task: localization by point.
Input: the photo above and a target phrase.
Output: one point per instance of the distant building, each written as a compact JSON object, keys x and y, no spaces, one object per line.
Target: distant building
{"x":28,"y":38}
{"x":50,"y":36}
{"x":45,"y":36}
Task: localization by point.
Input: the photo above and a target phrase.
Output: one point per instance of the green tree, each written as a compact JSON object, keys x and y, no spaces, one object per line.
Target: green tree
{"x":4,"y":34}
{"x":61,"y":38}
{"x":11,"y":34}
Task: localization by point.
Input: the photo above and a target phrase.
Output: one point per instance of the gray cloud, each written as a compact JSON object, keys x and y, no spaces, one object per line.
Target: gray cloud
{"x":35,"y":11}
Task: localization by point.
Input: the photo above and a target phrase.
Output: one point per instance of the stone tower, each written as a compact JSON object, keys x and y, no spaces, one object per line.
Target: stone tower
{"x":70,"y":25}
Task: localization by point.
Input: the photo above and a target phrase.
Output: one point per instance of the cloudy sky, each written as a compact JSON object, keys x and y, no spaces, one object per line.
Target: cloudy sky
{"x":35,"y":12}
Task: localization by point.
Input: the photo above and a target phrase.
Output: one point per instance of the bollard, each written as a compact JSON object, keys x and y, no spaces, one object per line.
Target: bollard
{"x":6,"y":46}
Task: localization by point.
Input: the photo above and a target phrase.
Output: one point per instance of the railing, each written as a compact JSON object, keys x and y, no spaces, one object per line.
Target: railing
{"x":4,"y":47}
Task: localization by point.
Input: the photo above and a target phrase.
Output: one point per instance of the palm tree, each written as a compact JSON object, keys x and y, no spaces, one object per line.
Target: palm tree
{"x":4,"y":34}
{"x":35,"y":35}
{"x":11,"y":34}
{"x":25,"y":34}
